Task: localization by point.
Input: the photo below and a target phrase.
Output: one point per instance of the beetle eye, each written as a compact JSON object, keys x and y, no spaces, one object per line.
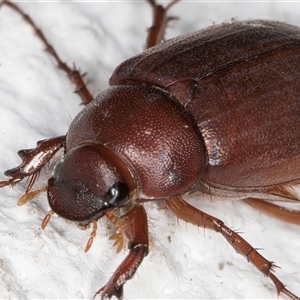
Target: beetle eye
{"x":118,"y":194}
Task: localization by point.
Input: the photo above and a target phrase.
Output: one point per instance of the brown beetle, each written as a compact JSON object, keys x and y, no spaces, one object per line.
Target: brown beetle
{"x":126,"y":175}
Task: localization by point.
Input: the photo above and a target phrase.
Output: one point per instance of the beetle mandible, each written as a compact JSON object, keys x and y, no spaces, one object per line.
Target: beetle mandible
{"x":175,"y":175}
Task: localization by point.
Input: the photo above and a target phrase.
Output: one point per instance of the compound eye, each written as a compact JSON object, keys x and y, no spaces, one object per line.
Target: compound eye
{"x":118,"y":194}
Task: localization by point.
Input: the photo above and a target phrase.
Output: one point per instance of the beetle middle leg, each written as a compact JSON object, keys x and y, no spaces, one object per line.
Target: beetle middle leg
{"x":73,"y":73}
{"x":190,"y":214}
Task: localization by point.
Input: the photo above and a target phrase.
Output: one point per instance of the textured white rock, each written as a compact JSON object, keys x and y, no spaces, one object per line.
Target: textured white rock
{"x":36,"y":102}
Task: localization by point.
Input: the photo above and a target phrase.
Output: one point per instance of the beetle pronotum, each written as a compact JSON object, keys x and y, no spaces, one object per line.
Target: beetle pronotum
{"x":40,"y":128}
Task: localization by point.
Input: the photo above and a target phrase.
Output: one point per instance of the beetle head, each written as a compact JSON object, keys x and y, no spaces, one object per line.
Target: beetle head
{"x":90,"y":180}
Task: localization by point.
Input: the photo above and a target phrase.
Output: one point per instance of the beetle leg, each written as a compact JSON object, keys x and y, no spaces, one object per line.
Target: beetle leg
{"x":190,"y":214}
{"x":134,"y":227}
{"x":33,"y":161}
{"x":280,"y":212}
{"x":73,"y":73}
{"x":156,"y":33}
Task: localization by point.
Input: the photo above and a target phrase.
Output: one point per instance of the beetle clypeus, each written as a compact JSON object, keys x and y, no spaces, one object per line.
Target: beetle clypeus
{"x":200,"y":207}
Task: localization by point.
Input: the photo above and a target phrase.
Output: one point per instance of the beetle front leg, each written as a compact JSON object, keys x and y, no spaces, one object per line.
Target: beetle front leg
{"x":33,"y":161}
{"x":134,"y":227}
{"x":190,"y":214}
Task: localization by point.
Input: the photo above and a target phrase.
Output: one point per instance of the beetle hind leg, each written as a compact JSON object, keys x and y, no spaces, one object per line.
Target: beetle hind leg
{"x":156,"y":33}
{"x":73,"y":73}
{"x":279,"y":212}
{"x":190,"y":214}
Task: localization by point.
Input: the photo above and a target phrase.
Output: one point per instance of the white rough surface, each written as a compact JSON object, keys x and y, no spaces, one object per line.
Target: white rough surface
{"x":36,"y":102}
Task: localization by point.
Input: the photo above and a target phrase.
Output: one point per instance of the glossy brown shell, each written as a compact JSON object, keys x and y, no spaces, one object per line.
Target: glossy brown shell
{"x":240,"y":81}
{"x":153,"y":134}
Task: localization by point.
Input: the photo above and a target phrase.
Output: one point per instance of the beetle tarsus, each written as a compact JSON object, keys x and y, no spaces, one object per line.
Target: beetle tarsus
{"x":281,"y":288}
{"x":124,"y":272}
{"x":11,"y":181}
{"x":109,"y":291}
